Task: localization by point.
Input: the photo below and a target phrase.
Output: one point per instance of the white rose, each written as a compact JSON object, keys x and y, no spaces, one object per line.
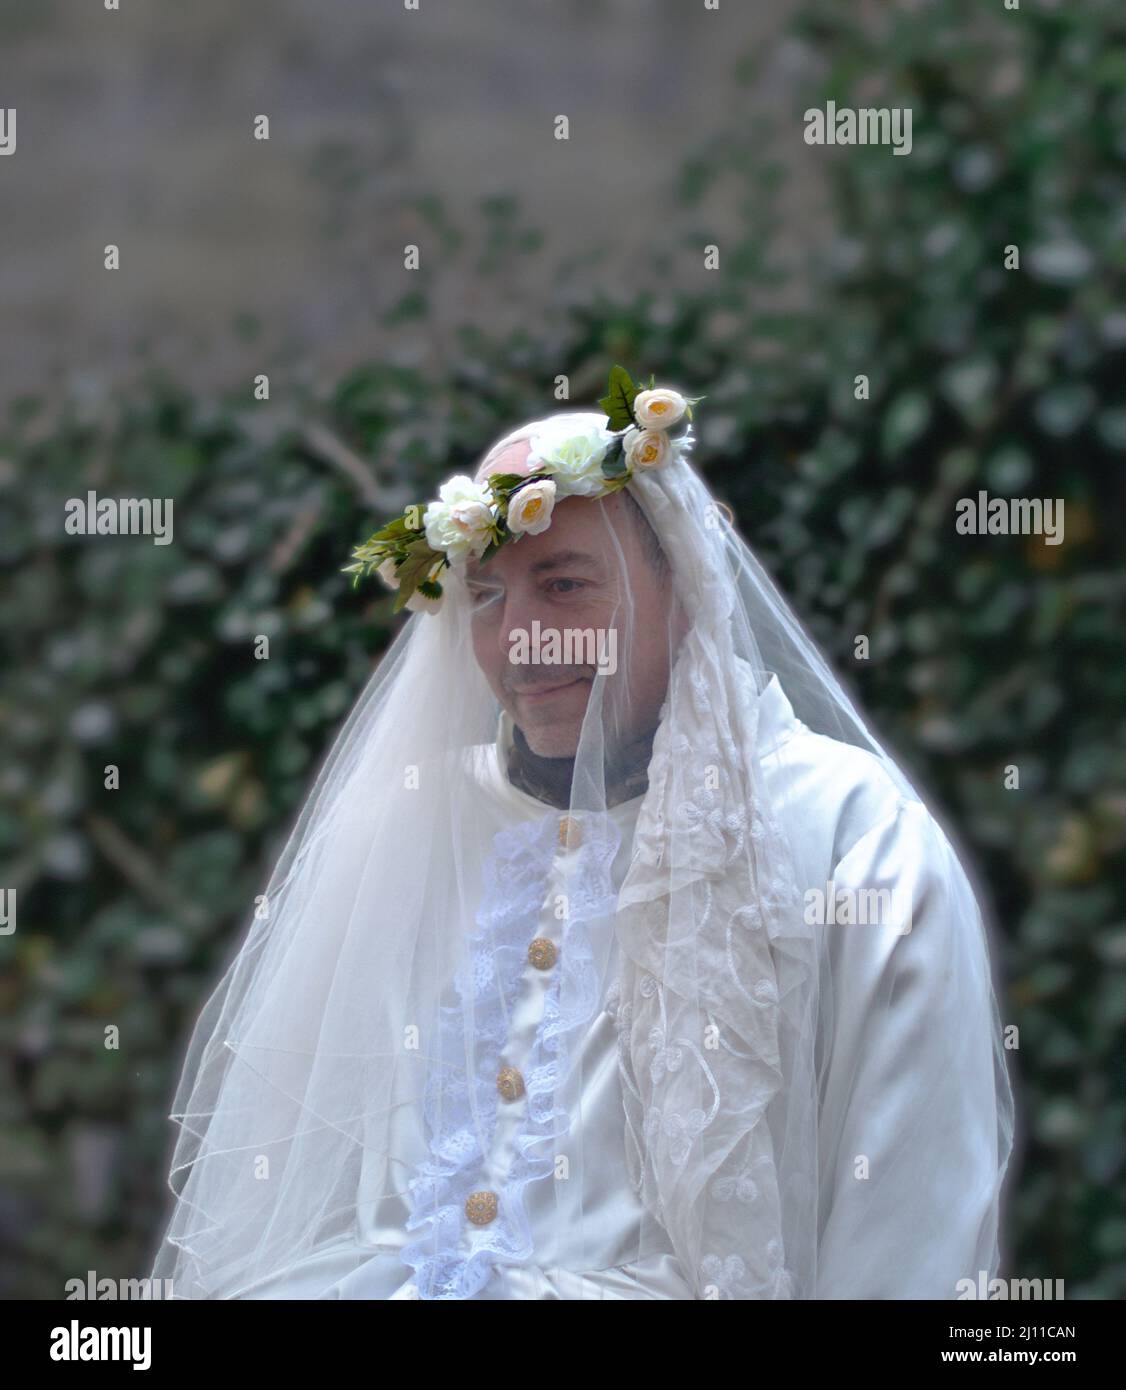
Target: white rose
{"x":574,"y":460}
{"x":646,"y":448}
{"x":657,"y":410}
{"x":529,"y":509}
{"x":461,"y":521}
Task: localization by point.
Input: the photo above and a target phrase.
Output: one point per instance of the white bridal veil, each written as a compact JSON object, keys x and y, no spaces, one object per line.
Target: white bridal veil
{"x":344,"y":1067}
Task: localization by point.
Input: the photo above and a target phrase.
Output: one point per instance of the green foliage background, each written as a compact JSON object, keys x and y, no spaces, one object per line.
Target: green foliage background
{"x":985,"y":652}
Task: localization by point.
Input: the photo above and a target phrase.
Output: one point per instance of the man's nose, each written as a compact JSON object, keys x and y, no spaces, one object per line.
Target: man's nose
{"x":520,"y":609}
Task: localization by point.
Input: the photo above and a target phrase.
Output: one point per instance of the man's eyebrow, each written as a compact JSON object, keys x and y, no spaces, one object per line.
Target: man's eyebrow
{"x":564,"y":557}
{"x":477,"y":573}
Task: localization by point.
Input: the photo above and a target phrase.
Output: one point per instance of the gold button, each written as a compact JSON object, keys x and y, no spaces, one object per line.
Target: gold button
{"x":542,"y":953}
{"x":481,"y":1207}
{"x":570,"y":833}
{"x":510,"y":1083}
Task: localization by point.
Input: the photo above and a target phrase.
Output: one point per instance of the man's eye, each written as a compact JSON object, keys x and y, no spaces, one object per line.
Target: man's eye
{"x":572,"y":584}
{"x":478,"y":596}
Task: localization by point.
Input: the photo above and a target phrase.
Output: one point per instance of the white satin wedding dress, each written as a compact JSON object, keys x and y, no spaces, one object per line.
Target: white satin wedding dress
{"x":851,"y":826}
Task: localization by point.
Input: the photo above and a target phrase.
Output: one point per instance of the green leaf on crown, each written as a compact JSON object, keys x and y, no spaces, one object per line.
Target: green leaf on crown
{"x":503,"y":483}
{"x":614,"y":463}
{"x":394,"y":530}
{"x":420,"y":560}
{"x":618,"y":402}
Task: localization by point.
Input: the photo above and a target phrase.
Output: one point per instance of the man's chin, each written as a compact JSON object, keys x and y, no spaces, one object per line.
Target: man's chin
{"x":552,"y":721}
{"x":550,"y":741}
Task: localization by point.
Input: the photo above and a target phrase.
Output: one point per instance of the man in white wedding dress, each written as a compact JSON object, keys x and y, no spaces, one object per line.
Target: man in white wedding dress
{"x":612,"y":957}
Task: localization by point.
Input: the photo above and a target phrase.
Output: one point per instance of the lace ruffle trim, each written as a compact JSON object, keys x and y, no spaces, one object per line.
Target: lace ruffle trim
{"x":453,"y":1259}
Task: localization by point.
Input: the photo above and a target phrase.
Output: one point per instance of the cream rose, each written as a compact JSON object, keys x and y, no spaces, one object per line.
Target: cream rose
{"x":530,"y":508}
{"x":646,"y":448}
{"x":461,"y":521}
{"x":658,"y":409}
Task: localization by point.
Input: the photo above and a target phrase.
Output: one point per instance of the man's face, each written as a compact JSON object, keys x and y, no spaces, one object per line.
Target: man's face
{"x":587,"y":571}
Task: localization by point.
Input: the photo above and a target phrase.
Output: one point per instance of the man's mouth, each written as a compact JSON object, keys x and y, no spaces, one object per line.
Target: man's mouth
{"x":544,"y":692}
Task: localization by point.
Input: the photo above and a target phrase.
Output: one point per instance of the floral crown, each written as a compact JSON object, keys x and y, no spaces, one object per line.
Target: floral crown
{"x":472,"y":520}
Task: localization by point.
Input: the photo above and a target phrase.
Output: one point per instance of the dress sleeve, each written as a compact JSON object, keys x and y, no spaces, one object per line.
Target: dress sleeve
{"x":915,"y":1106}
